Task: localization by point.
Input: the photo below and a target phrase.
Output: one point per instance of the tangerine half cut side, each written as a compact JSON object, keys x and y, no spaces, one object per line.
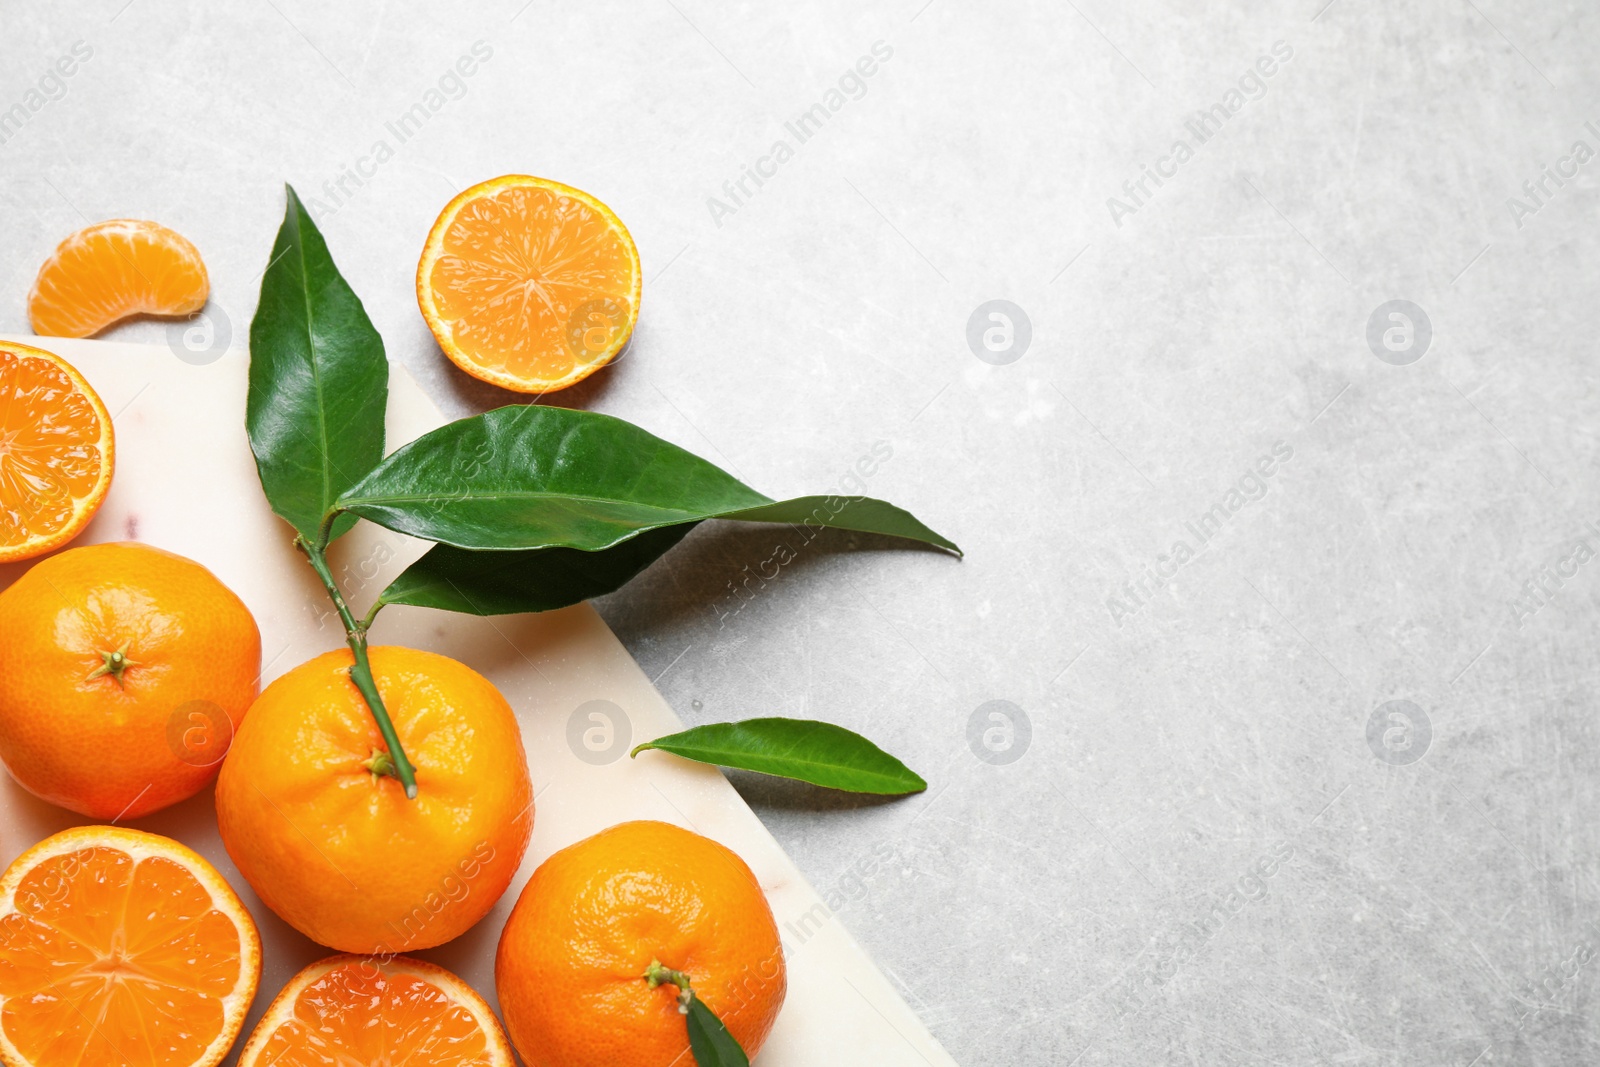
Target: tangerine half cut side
{"x":528,"y":283}
{"x":121,"y":947}
{"x":57,"y":452}
{"x":376,"y":1010}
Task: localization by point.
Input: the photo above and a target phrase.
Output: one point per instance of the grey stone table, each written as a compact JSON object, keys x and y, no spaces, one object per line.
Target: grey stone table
{"x":1259,"y":718}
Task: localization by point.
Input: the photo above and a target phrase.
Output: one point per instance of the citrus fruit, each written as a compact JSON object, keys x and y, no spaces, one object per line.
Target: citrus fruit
{"x":121,"y":947}
{"x":528,"y":283}
{"x":56,"y":452}
{"x":376,"y":1010}
{"x":124,"y":671}
{"x":114,"y":269}
{"x":332,"y":844}
{"x":598,"y":915}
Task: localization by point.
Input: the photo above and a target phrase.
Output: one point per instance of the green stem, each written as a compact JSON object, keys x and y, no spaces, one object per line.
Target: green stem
{"x":372,"y":614}
{"x":361,"y":670}
{"x":325,"y":531}
{"x":656,"y":975}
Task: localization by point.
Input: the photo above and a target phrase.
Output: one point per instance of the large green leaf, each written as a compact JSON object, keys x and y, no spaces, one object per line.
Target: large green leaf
{"x":709,"y":1039}
{"x":536,"y":579}
{"x":318,"y":380}
{"x":815,"y":752}
{"x":530,"y":476}
{"x":860,"y":513}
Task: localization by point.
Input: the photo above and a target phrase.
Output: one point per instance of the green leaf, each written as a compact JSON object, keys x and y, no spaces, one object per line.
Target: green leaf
{"x":318,"y":380}
{"x":536,"y":579}
{"x":530,"y":476}
{"x":710,"y":1041}
{"x":860,"y":513}
{"x":815,"y":752}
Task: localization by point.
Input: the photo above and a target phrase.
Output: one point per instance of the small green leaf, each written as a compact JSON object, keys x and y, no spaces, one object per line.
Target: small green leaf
{"x":531,"y":476}
{"x":535,"y":579}
{"x":815,"y":752}
{"x":318,"y":380}
{"x":710,"y":1041}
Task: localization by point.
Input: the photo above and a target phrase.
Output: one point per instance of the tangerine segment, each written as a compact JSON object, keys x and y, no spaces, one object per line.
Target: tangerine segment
{"x":118,"y":946}
{"x":114,"y":269}
{"x":376,"y":1010}
{"x":528,"y":283}
{"x":56,"y":452}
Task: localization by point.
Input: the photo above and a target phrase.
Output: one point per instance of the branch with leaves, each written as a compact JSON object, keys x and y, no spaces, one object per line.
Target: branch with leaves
{"x":530,"y":507}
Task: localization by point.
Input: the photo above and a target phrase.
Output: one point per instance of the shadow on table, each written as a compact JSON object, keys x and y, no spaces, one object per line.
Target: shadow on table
{"x":466,"y":393}
{"x":723,"y":566}
{"x":784,"y":794}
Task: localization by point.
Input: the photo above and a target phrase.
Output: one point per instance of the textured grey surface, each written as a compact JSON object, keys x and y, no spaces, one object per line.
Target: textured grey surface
{"x":1193,"y":854}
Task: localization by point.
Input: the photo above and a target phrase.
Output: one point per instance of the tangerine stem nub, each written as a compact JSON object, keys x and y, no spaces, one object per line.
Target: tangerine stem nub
{"x":380,"y":764}
{"x":114,"y":664}
{"x":657,"y":975}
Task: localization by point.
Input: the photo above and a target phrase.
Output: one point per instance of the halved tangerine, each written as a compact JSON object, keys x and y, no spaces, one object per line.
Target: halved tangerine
{"x":121,"y":947}
{"x":528,"y":283}
{"x":114,"y":269}
{"x":376,"y":1010}
{"x":56,"y":451}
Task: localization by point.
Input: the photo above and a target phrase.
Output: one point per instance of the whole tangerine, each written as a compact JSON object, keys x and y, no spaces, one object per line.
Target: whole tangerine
{"x":599,"y":918}
{"x":324,"y":833}
{"x":125,"y":671}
